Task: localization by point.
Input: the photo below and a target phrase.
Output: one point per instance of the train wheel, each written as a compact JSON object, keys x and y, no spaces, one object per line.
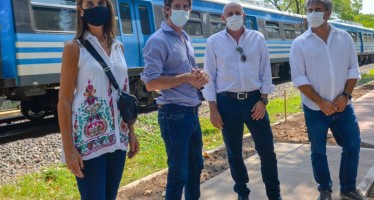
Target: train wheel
{"x":32,"y":110}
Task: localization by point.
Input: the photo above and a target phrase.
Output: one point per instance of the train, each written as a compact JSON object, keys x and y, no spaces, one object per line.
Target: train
{"x":33,"y":33}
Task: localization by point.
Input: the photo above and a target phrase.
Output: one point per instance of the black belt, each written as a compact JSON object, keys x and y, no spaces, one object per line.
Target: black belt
{"x":240,"y":95}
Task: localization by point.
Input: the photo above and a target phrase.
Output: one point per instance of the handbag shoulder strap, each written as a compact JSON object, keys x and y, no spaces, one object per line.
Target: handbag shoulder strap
{"x":101,"y":61}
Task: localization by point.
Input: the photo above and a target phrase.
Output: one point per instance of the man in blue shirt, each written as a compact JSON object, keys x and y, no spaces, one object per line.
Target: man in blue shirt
{"x":170,"y":67}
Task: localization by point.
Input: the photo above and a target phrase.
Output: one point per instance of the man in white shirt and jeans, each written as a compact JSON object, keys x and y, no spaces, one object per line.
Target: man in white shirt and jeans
{"x":238,"y":65}
{"x":325,"y":69}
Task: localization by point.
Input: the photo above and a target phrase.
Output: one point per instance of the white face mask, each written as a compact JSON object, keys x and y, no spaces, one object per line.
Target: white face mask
{"x":179,"y":17}
{"x":315,"y":19}
{"x":234,"y":22}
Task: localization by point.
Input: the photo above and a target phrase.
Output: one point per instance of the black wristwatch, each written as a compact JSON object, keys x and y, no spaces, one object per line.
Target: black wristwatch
{"x":264,"y":101}
{"x":347,"y":95}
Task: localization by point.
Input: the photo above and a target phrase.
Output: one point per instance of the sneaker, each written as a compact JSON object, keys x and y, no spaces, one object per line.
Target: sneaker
{"x":325,"y":195}
{"x":353,"y":195}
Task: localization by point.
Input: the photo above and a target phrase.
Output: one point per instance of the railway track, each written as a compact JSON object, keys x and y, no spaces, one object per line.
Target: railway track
{"x":12,"y":123}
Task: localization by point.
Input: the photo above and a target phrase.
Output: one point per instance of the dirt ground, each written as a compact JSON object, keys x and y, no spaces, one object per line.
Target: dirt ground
{"x":293,"y":131}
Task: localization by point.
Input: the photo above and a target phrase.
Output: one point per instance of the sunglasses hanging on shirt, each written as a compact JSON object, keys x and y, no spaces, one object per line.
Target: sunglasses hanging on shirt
{"x":242,"y":56}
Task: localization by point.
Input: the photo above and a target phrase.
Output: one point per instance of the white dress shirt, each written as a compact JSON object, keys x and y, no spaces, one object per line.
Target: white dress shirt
{"x":326,"y":67}
{"x":228,"y":73}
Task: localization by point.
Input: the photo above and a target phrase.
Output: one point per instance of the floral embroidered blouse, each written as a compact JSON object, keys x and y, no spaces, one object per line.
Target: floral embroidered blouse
{"x":97,"y":126}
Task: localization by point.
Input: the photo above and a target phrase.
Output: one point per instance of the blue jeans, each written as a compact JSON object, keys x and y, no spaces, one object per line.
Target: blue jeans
{"x":180,"y":129}
{"x":235,"y":113}
{"x":346,"y":132}
{"x":102,"y":176}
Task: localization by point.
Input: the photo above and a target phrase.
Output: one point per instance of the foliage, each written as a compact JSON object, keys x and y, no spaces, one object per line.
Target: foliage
{"x":365,"y":19}
{"x":343,"y":9}
{"x":293,"y":6}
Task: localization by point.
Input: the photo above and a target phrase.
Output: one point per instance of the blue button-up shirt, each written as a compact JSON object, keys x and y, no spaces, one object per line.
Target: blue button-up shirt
{"x":165,"y":54}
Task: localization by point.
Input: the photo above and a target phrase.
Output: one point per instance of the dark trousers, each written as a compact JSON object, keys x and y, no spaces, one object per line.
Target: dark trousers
{"x":102,"y":176}
{"x":346,"y":132}
{"x":235,"y":113}
{"x":180,"y":129}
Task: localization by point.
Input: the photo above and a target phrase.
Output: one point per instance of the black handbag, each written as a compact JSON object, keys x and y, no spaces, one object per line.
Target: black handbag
{"x":127,"y":104}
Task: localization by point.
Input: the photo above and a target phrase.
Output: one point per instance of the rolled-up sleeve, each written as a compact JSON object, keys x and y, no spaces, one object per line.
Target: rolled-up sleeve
{"x":297,"y":65}
{"x":210,"y":67}
{"x":267,"y":86}
{"x":353,"y":68}
{"x":154,"y":55}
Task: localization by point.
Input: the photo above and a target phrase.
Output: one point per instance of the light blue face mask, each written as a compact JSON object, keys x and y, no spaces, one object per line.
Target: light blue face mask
{"x":234,"y":22}
{"x":315,"y":19}
{"x":179,"y":17}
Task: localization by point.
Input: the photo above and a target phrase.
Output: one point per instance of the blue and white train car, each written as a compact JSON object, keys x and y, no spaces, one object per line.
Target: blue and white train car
{"x":33,"y":32}
{"x":363,"y":38}
{"x":32,"y":35}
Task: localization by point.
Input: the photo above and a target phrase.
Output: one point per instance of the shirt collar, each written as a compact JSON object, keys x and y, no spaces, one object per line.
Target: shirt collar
{"x":309,"y":32}
{"x":166,"y":28}
{"x":87,"y":35}
{"x":228,"y":34}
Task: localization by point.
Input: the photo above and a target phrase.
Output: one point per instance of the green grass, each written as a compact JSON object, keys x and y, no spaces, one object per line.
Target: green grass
{"x":57,"y":183}
{"x":52,"y":183}
{"x":276,"y":106}
{"x":152,"y":156}
{"x":367,"y":77}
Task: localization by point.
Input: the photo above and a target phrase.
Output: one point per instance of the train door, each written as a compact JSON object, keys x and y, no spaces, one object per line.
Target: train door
{"x":360,"y":36}
{"x":136,"y":26}
{"x":250,"y":22}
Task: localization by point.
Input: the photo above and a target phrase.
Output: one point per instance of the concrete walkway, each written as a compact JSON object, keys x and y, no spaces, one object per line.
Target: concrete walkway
{"x":364,"y":108}
{"x":294,"y":166}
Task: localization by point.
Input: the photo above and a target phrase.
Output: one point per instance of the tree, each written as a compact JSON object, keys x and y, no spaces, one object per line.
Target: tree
{"x":356,"y":6}
{"x":344,"y":9}
{"x":293,"y":6}
{"x":347,"y":9}
{"x":365,"y":19}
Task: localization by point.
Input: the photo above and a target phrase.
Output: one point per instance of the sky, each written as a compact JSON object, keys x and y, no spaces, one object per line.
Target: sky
{"x":367,"y":7}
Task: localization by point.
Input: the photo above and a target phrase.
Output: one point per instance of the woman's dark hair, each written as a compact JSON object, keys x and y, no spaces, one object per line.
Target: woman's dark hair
{"x":109,"y":28}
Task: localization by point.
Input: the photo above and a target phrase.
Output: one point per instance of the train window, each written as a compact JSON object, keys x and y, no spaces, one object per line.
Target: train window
{"x":289,"y":31}
{"x":370,"y":38}
{"x":53,"y":15}
{"x":215,"y":18}
{"x":193,"y":27}
{"x":144,"y":20}
{"x":216,"y":23}
{"x":353,"y":35}
{"x":365,"y":37}
{"x":250,"y":22}
{"x":272,"y":29}
{"x":125,"y":13}
{"x":195,"y":15}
